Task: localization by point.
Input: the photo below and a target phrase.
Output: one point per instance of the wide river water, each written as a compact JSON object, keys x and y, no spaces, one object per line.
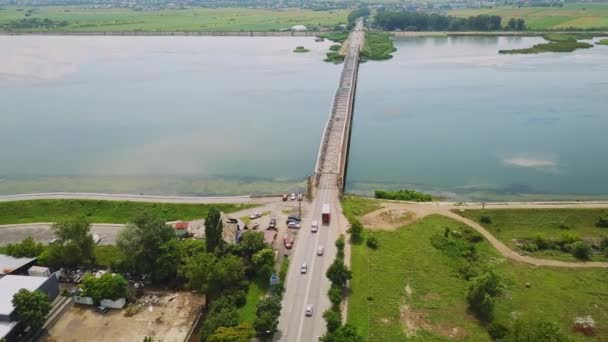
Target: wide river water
{"x":230,"y":115}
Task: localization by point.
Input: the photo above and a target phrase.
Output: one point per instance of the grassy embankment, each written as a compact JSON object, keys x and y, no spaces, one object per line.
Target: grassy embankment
{"x":378,"y":46}
{"x":193,"y":19}
{"x":557,"y":43}
{"x":576,"y":16}
{"x":538,"y":225}
{"x":102,"y":211}
{"x":407,"y":285}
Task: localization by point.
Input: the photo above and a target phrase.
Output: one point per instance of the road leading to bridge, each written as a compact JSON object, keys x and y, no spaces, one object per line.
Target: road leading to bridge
{"x":311,"y":288}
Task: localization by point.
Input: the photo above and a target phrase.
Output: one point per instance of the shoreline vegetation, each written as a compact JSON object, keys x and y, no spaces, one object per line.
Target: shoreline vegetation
{"x":378,"y":46}
{"x":602,"y":42}
{"x":403,"y":195}
{"x":557,"y":43}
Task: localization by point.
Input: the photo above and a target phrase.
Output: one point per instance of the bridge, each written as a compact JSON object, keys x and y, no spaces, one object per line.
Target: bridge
{"x":311,"y":288}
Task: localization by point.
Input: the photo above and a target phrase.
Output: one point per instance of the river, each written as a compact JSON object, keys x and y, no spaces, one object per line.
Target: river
{"x":234,"y":115}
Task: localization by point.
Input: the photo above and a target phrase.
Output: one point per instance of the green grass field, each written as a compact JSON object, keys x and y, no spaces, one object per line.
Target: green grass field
{"x":247,"y":313}
{"x":102,"y":211}
{"x":406,"y":281}
{"x":509,"y":224}
{"x":195,"y":19}
{"x":354,"y":206}
{"x":580,"y":16}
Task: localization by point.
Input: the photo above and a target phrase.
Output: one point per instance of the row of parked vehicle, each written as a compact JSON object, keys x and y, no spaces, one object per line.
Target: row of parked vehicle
{"x":293,"y":197}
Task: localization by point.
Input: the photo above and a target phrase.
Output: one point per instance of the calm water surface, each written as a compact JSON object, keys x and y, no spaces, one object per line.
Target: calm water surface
{"x":159,"y":109}
{"x":453,"y":116}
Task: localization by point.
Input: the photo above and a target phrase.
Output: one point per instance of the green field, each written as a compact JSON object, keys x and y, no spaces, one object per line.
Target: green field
{"x":407,"y":279}
{"x":579,"y":16}
{"x":354,"y":206}
{"x":194,"y":19}
{"x":102,"y":211}
{"x":510,"y":224}
{"x":247,"y":313}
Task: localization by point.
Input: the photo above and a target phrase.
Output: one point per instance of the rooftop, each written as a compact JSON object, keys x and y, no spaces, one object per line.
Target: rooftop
{"x":11,"y":284}
{"x":8,"y":263}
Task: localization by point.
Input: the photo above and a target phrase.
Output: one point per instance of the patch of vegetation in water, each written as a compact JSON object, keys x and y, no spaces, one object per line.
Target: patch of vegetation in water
{"x":557,"y":43}
{"x":301,"y":49}
{"x":334,"y":57}
{"x":378,"y":46}
{"x":336,"y":37}
{"x":603,"y":42}
{"x":335,"y":47}
{"x":403,"y":195}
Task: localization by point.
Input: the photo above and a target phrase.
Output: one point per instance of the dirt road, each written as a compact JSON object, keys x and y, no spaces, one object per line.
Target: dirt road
{"x":417,"y":211}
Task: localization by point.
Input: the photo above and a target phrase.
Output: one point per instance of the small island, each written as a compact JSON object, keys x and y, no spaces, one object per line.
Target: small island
{"x":300,"y":49}
{"x":602,"y":42}
{"x":557,"y":43}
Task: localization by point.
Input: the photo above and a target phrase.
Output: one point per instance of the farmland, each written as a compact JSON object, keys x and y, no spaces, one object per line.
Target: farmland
{"x":195,"y":19}
{"x":396,"y":295}
{"x":577,"y":16}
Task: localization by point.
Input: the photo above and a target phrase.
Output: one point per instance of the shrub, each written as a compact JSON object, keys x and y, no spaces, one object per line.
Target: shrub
{"x":497,"y":331}
{"x":372,"y":242}
{"x":603,"y":221}
{"x":542,"y":242}
{"x":581,"y":250}
{"x":27,"y":248}
{"x":530,"y":247}
{"x":403,"y":195}
{"x":485,"y":219}
{"x":481,"y":295}
{"x":356,"y":231}
{"x":333,"y":319}
{"x":468,"y":272}
{"x":472,"y":236}
{"x":335,"y":295}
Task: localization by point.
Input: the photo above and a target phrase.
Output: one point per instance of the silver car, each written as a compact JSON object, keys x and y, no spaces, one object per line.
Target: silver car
{"x":320,"y":250}
{"x":304,"y":268}
{"x":308,"y":311}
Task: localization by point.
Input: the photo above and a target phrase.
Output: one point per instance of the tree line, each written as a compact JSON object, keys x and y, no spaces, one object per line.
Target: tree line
{"x":413,"y":21}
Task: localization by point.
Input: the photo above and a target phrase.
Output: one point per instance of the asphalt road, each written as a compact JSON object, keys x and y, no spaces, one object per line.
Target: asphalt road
{"x":310,"y":288}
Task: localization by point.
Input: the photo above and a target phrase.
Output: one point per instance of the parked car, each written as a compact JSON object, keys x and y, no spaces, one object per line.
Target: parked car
{"x":272,"y":224}
{"x":320,"y":250}
{"x":102,"y":310}
{"x":231,"y":220}
{"x":285,"y":197}
{"x":304,"y":268}
{"x":294,"y":218}
{"x":293,"y":225}
{"x":308,"y":311}
{"x":288,"y":242}
{"x":314,"y":226}
{"x":293,"y":196}
{"x":255,"y":216}
{"x":52,"y":241}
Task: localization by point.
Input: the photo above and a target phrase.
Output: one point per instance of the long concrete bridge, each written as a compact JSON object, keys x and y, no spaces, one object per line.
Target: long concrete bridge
{"x":310,"y":288}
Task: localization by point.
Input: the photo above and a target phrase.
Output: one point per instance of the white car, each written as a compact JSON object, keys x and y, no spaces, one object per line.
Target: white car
{"x":308,"y":311}
{"x":304,"y":268}
{"x":320,"y":250}
{"x":314,"y":226}
{"x":292,"y":197}
{"x":255,"y":216}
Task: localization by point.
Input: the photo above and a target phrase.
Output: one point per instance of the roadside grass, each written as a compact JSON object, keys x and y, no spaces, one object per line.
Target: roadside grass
{"x":81,"y":18}
{"x":103,"y":211}
{"x":247,"y":313}
{"x":354,"y":206}
{"x":509,"y":224}
{"x":577,"y":15}
{"x":380,"y":306}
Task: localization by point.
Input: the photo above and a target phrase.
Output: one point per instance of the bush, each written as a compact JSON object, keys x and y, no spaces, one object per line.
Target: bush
{"x":482,"y":293}
{"x":538,"y":331}
{"x":468,"y":272}
{"x":335,"y":295}
{"x":403,"y":195}
{"x":472,"y":236}
{"x":542,"y":242}
{"x":356,"y":231}
{"x":603,"y":221}
{"x":27,"y":248}
{"x":333,"y":319}
{"x":530,"y":247}
{"x":485,"y":219}
{"x":372,"y":242}
{"x":497,"y":331}
{"x":581,"y":250}
{"x":108,"y":286}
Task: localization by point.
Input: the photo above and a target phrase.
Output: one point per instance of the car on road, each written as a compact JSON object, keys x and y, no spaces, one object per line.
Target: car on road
{"x":288,"y":242}
{"x":292,"y":197}
{"x":285,"y":197}
{"x":272,"y":224}
{"x":314,"y":226}
{"x":320,"y":250}
{"x":308,"y":311}
{"x":304,"y":268}
{"x":102,"y":310}
{"x":255,"y":216}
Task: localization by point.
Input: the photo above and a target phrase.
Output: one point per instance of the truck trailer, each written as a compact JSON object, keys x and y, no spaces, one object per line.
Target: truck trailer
{"x":326,"y":213}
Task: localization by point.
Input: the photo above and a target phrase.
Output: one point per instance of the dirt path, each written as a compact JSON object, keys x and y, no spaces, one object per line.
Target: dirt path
{"x":416,"y":211}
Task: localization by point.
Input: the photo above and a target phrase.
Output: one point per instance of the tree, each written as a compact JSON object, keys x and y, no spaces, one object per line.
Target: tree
{"x":346,"y":333}
{"x":75,"y":245}
{"x":333,"y":319}
{"x":141,"y":242}
{"x":263,"y":261}
{"x":335,"y":295}
{"x":243,"y":332}
{"x":356,"y":231}
{"x":372,"y":242}
{"x":31,"y":307}
{"x":603,"y":221}
{"x":210,"y":274}
{"x":581,"y":250}
{"x":338,"y":273}
{"x":537,"y":331}
{"x":481,"y":295}
{"x":251,"y":243}
{"x":213,"y":230}
{"x":108,"y":286}
{"x":222,"y":317}
{"x":267,"y":315}
{"x":27,"y":248}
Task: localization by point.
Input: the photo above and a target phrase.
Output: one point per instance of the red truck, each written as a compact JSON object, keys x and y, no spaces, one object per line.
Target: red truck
{"x":325,"y":213}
